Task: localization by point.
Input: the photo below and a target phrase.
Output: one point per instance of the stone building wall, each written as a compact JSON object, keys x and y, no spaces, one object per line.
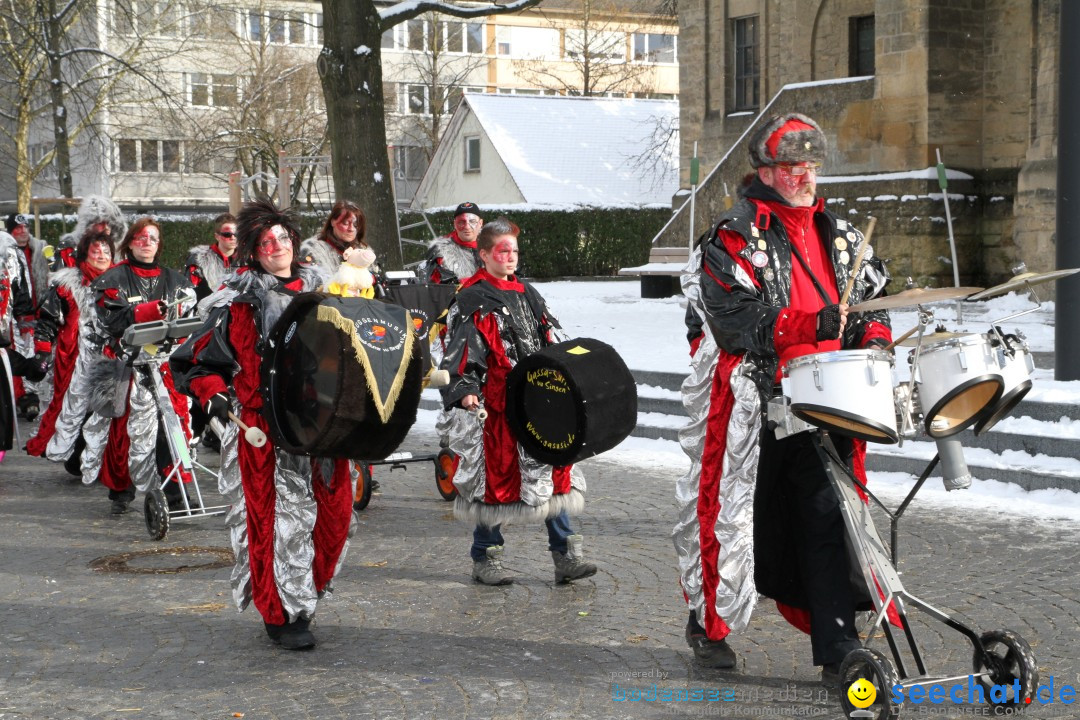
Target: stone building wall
{"x":973,"y":78}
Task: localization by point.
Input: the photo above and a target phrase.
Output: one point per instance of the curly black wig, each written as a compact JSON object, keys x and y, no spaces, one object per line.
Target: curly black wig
{"x":256,"y":217}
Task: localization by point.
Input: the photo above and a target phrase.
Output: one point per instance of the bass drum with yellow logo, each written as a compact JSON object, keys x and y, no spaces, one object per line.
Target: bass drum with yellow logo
{"x":571,"y":401}
{"x":341,"y":377}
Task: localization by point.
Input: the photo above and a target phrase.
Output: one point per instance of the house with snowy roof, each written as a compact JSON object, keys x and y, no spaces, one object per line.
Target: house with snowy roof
{"x":555,"y":151}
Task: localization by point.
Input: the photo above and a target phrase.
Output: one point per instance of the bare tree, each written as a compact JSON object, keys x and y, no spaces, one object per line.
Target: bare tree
{"x":430,"y":82}
{"x":350,"y":66}
{"x":245,"y":120}
{"x":596,"y":55}
{"x":61,"y":70}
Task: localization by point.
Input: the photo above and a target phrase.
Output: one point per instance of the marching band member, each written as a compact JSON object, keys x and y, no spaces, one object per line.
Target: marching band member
{"x":69,"y":335}
{"x":757,"y":514}
{"x":34,"y":269}
{"x":497,"y":320}
{"x":207,"y":265}
{"x":290,"y":515}
{"x":344,"y":230}
{"x":136,"y":290}
{"x":453,"y":258}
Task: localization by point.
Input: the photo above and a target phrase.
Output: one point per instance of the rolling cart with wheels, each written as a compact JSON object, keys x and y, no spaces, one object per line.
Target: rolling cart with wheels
{"x":445,"y":463}
{"x":165,"y":337}
{"x":999,"y":657}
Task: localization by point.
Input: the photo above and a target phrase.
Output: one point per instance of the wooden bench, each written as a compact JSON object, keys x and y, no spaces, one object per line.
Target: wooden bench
{"x":660,"y":276}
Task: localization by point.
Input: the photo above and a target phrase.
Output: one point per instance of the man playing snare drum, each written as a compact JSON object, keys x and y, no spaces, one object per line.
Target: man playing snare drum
{"x":757,"y":514}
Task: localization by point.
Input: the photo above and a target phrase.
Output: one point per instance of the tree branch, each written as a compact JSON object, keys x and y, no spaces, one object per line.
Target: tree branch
{"x":399,"y":13}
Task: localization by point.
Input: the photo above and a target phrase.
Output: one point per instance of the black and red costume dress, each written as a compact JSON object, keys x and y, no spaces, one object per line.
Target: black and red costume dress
{"x":290,"y":514}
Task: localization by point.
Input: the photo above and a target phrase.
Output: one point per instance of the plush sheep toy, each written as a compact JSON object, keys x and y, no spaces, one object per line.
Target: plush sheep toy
{"x":353,"y":279}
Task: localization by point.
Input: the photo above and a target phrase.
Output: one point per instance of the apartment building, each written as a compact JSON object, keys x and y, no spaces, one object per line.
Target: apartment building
{"x":242,"y":87}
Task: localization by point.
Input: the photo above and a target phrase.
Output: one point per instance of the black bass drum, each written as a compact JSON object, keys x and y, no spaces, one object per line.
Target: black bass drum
{"x":341,"y":377}
{"x":571,"y":401}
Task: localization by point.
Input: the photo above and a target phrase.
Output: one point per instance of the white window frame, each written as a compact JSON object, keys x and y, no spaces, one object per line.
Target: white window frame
{"x":647,"y":60}
{"x":471,"y":147}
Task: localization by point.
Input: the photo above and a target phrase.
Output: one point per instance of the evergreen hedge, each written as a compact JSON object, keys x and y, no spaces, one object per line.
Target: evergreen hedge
{"x":554,"y":243}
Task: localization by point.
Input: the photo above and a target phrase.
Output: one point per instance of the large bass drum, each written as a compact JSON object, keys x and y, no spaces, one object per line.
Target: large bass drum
{"x":571,"y":401}
{"x":341,"y":377}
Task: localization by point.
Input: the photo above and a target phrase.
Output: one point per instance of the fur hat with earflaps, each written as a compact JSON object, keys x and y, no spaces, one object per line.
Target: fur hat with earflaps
{"x":788,"y":140}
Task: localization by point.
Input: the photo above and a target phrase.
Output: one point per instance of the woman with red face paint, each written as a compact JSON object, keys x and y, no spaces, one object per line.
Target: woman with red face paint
{"x":69,"y":336}
{"x":495,"y":322}
{"x":344,"y":230}
{"x":289,"y":515}
{"x":138,"y":290}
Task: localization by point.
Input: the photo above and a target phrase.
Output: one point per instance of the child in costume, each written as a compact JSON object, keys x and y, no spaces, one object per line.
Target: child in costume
{"x":496,"y":321}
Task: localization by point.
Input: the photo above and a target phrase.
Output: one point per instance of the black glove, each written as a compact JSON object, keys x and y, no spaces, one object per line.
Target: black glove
{"x":828,"y":323}
{"x":43,"y":360}
{"x":218,"y":407}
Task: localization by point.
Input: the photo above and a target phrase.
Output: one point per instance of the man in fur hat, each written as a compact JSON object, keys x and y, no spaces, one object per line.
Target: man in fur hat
{"x":97,"y":214}
{"x":757,"y":514}
{"x":453,"y":258}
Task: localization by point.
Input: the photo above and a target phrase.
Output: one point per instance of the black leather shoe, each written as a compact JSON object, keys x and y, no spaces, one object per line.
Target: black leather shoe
{"x":830,"y":674}
{"x":708,"y":653}
{"x":119,"y":507}
{"x":292,"y":636}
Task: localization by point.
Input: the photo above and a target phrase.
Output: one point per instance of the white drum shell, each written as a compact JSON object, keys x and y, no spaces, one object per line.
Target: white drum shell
{"x":1016,"y":368}
{"x":847,"y":391}
{"x":958,"y":381}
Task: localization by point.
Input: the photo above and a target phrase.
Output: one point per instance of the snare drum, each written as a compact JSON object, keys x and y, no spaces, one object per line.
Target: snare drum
{"x":1016,"y":365}
{"x":847,"y":391}
{"x":959,"y":379}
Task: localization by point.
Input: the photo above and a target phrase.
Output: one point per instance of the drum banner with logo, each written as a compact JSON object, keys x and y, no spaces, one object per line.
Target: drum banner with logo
{"x":382,"y":337}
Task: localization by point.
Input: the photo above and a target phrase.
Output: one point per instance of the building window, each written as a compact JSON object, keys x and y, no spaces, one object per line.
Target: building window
{"x":472,"y":154}
{"x":747,"y":73}
{"x":654,"y":48}
{"x":416,"y":35}
{"x":861,"y":46}
{"x":416,"y":99}
{"x":599,"y":45}
{"x":315,"y":23}
{"x":207,"y":90}
{"x":502,"y":40}
{"x":127,"y":152}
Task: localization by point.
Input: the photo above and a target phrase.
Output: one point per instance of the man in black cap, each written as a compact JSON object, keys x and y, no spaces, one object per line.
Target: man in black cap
{"x":452,"y":258}
{"x":34,"y":272}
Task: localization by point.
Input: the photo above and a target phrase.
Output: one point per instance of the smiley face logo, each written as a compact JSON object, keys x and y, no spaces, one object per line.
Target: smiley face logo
{"x":862,"y":693}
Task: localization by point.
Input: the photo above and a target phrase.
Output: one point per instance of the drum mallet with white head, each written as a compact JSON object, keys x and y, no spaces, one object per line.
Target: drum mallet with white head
{"x":254,"y":436}
{"x":858,"y":260}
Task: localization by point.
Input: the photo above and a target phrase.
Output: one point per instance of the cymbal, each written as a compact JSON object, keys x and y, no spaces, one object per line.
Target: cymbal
{"x":913,"y":297}
{"x":931,"y":338}
{"x":1021,"y":281}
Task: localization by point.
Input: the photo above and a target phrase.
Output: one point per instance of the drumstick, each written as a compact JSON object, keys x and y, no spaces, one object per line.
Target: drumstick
{"x":254,"y":436}
{"x":902,"y":338}
{"x":858,"y":260}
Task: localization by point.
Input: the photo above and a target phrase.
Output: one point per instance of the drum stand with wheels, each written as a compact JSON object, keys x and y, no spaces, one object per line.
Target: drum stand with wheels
{"x":1000,"y":657}
{"x":148,"y":372}
{"x":445,"y":466}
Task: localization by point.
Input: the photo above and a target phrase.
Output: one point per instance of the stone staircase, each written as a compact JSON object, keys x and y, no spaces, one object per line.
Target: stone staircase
{"x":1000,"y":454}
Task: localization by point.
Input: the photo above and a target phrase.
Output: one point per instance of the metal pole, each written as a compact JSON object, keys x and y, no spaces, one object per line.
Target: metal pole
{"x":1066,"y":319}
{"x":943,"y":181}
{"x":694,"y":170}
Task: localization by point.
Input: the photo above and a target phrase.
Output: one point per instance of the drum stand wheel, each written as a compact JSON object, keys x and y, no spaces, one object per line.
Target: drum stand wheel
{"x":445,"y":468}
{"x":878,"y":670}
{"x":1006,"y":657}
{"x":156,"y":513}
{"x":363,"y":487}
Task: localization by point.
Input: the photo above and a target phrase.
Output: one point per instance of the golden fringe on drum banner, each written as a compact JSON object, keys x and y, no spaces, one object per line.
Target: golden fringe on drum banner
{"x":384,"y":406}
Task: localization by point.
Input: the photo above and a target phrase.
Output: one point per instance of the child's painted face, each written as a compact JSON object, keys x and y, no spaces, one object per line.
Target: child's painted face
{"x":502,"y":259}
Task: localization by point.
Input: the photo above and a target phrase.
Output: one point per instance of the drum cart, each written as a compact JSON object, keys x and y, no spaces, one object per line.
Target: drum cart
{"x":444,"y":462}
{"x":151,"y":343}
{"x":427,"y":303}
{"x":961,"y":393}
{"x":999,"y":657}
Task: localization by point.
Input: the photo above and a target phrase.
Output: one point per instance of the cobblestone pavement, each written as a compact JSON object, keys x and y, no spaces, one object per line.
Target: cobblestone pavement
{"x":408,"y":635}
